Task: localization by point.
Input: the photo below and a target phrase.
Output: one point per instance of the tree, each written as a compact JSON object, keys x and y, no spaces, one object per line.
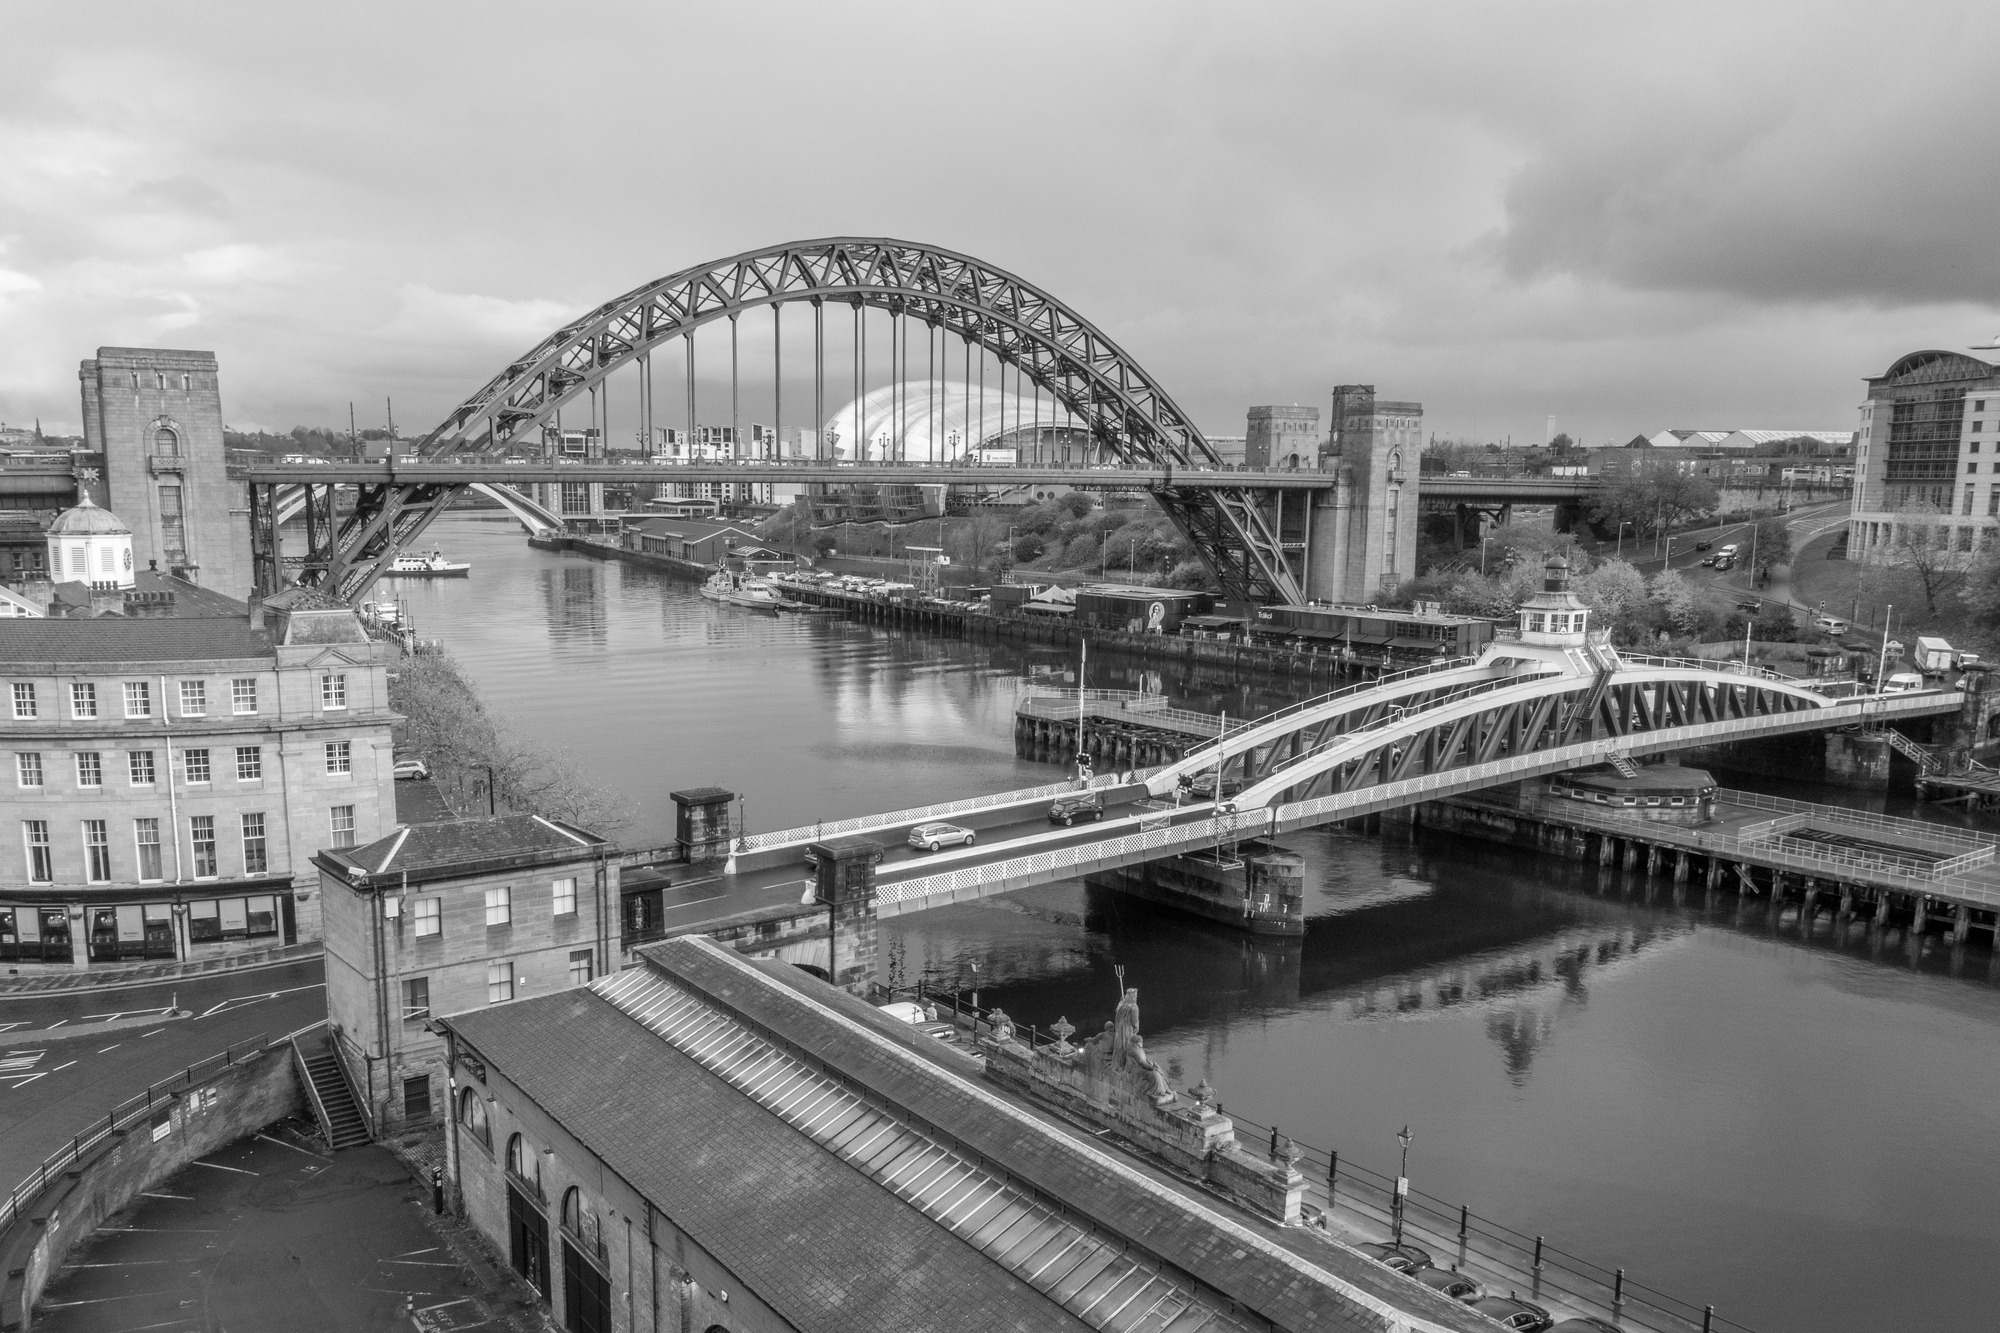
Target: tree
{"x":1028,"y":546}
{"x":1616,"y":595}
{"x":1775,"y":624}
{"x":1938,"y":554}
{"x":1678,"y":495}
{"x":1981,"y":593}
{"x":1773,"y":542}
{"x":1674,"y":596}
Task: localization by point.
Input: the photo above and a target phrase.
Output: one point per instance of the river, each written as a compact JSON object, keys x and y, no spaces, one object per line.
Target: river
{"x":1801,"y":1133}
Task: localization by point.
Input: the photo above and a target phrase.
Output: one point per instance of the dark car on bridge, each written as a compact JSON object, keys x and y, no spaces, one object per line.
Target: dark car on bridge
{"x":1202,"y":786}
{"x":1066,"y":810}
{"x":1703,"y":546}
{"x":1521,"y":1316}
{"x":1403,"y":1258}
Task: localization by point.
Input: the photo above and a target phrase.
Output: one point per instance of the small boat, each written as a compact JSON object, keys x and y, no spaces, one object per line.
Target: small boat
{"x":733,"y":589}
{"x":430,"y":564}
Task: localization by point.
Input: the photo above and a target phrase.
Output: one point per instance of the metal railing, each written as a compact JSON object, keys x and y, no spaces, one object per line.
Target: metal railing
{"x":1059,"y":705}
{"x":1727,"y":667}
{"x":833,"y":828}
{"x":1890,"y":825}
{"x":1454,"y":1234}
{"x":1345,"y":692}
{"x":129,"y":1111}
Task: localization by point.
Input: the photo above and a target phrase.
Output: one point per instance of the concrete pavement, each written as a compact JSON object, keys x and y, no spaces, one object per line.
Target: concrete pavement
{"x":49,"y":1089}
{"x":270,"y":1234}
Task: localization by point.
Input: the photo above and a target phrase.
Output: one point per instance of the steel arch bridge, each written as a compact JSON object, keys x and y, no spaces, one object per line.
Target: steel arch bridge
{"x":1124,"y":409}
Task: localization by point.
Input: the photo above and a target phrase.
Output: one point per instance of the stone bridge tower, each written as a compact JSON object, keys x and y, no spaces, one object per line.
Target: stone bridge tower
{"x":1363,"y":536}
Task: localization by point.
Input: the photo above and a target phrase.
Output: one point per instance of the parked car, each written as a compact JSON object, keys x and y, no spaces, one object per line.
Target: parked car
{"x":1751,"y":605}
{"x":1831,"y":624}
{"x":412,"y":768}
{"x":930,"y":837}
{"x":1402,"y":1258}
{"x":1066,"y":810}
{"x":1521,"y":1316}
{"x":1455,"y":1285}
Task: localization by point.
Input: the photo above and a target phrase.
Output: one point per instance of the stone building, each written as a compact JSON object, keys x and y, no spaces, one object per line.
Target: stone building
{"x":156,"y":417}
{"x":1362,"y":541}
{"x":704,"y":1142}
{"x":444,"y":917}
{"x":1925,"y":458}
{"x":1283,"y":437}
{"x":173,"y":774}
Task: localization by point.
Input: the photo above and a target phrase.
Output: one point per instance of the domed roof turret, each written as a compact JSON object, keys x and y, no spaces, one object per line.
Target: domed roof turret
{"x":88,"y":519}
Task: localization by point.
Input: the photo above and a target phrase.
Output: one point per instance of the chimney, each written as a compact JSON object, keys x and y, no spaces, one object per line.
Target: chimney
{"x":257,"y":611}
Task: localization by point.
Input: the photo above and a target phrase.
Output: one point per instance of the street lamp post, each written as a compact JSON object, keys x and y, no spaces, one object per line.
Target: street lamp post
{"x":1402,"y":1181}
{"x":1622,"y":525}
{"x":1483,"y":539}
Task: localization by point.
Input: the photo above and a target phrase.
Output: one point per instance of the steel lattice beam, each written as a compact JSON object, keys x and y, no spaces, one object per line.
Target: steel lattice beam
{"x":1122,"y":407}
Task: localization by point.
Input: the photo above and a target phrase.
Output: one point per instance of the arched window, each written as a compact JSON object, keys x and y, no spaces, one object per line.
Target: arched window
{"x":572,"y":1209}
{"x":515,"y":1149}
{"x":167,"y":441}
{"x":472,"y":1115}
{"x":524,"y":1164}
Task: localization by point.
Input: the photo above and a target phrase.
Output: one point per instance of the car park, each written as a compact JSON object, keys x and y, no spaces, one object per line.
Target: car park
{"x":931,"y":837}
{"x":1067,"y":809}
{"x":1455,"y":1285}
{"x":1404,"y":1259}
{"x":1519,"y":1315}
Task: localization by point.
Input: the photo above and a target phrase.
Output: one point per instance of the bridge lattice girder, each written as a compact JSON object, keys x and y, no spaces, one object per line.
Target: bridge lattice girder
{"x":1122,"y":407}
{"x":1484,"y":722}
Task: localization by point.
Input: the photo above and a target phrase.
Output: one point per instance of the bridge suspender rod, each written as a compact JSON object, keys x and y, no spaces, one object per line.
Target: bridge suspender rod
{"x":735,"y":404}
{"x":687,"y":341}
{"x":860,"y":374}
{"x":819,"y":377}
{"x":775,"y":447}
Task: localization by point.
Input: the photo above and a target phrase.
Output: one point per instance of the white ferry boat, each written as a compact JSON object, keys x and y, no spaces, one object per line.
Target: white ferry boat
{"x":733,"y":589}
{"x":430,"y":564}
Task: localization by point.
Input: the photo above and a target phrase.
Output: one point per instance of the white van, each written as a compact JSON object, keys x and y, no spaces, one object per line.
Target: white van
{"x":1902,"y":682}
{"x":1729,"y":550}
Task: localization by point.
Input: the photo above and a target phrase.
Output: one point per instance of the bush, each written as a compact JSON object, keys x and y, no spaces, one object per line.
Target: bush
{"x":1028,"y":546}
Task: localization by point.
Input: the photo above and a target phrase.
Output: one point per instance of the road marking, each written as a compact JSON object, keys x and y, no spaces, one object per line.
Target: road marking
{"x":428,"y":1249}
{"x":154,"y":1033}
{"x":59,"y":1022}
{"x":153,"y":1194}
{"x":422,"y":1263}
{"x":9,"y":1027}
{"x":245,"y":1001}
{"x":168,"y":1231}
{"x":106,"y":1300}
{"x":59,"y":1068}
{"x":443,"y":1305}
{"x":129,"y":1263}
{"x":217,"y":1166}
{"x":295,"y":1148}
{"x":112,"y":1047}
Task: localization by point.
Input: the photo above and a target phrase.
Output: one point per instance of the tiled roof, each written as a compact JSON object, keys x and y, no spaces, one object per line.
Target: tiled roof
{"x":1275,"y":1280}
{"x":465,"y":845}
{"x":104,"y":639}
{"x":419,"y":802}
{"x":827,"y":1248}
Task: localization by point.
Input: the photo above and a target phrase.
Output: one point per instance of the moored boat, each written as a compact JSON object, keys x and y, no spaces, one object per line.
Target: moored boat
{"x":733,"y":589}
{"x":428,"y":564}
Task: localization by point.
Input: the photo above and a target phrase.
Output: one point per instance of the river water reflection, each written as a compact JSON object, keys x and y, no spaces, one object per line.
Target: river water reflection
{"x":1800,"y":1131}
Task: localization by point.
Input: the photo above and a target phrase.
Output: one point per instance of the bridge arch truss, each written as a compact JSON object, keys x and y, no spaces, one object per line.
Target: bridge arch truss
{"x":1123,"y":408}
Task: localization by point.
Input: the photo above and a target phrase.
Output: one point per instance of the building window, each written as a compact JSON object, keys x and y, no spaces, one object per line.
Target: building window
{"x":96,"y":851}
{"x":28,"y":768}
{"x":146,"y":835}
{"x":333,"y":690}
{"x":255,"y":853}
{"x":243,"y":696}
{"x":249,"y":763}
{"x":82,"y":700}
{"x":343,"y":826}
{"x":472,"y":1116}
{"x":1966,"y":508}
{"x":173,"y":528}
{"x":166,"y":442}
{"x":339,"y":758}
{"x":565,"y":896}
{"x":194,"y":698}
{"x":201,"y":832}
{"x":417,"y":1097}
{"x":579,"y":967}
{"x":416,"y":999}
{"x":499,"y":906}
{"x":89,"y":769}
{"x":138,"y":699}
{"x":41,"y":857}
{"x":139,"y":767}
{"x":24,"y":699}
{"x":194,"y":764}
{"x":430,"y":916}
{"x":499,"y":982}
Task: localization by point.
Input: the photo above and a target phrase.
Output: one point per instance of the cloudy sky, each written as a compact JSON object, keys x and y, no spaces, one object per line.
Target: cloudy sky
{"x":1632,"y":217}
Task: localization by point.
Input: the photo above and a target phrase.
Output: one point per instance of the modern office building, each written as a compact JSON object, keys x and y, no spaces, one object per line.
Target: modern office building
{"x":1925,"y":457}
{"x":173,"y":774}
{"x":156,"y":417}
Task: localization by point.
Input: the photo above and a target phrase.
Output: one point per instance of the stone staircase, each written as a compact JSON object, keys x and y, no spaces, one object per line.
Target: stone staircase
{"x":338,"y":1110}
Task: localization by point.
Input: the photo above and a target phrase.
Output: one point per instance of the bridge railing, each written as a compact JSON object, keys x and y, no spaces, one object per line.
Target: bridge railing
{"x":833,"y":828}
{"x":1889,"y":826}
{"x":1728,"y":666}
{"x":1396,"y":716}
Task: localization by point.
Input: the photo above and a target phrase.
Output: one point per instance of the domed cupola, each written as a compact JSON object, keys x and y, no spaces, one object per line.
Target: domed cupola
{"x":90,"y":544}
{"x":1554,"y":617}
